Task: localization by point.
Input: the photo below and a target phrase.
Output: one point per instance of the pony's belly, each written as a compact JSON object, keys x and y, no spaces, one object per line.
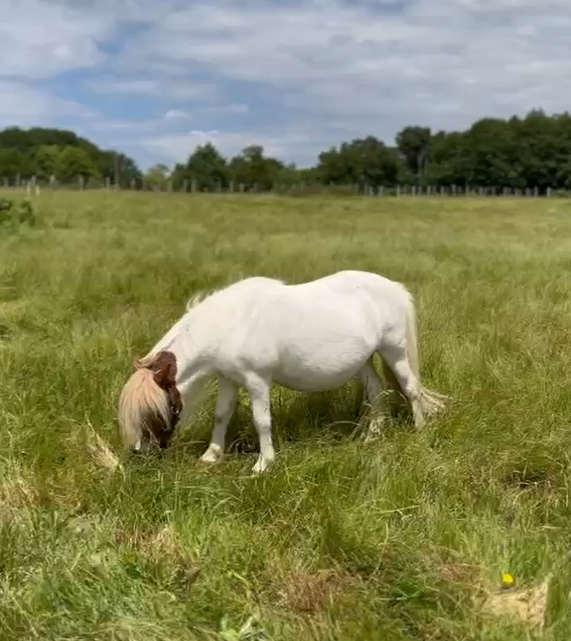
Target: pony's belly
{"x":319,"y":361}
{"x":314,"y":380}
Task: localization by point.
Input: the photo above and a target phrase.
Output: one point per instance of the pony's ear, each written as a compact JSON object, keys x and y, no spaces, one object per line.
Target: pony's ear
{"x":164,"y":369}
{"x":137,"y":364}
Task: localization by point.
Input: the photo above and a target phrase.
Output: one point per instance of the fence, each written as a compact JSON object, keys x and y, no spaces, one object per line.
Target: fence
{"x":35,"y":187}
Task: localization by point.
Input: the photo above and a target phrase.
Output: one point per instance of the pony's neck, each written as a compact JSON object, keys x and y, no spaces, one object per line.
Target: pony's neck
{"x":188,"y":342}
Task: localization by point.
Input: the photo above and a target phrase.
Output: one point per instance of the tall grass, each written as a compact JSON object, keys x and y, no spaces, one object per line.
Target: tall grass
{"x":341,"y":541}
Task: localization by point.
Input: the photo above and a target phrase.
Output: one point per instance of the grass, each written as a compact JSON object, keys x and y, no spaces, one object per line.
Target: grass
{"x":341,"y":541}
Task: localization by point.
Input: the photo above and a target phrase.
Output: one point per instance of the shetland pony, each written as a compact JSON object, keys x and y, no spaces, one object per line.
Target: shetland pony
{"x":308,"y":337}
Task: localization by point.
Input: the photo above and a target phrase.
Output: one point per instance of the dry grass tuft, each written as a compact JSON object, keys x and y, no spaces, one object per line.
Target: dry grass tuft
{"x":524,"y":605}
{"x":310,"y":592}
{"x":101,"y":453}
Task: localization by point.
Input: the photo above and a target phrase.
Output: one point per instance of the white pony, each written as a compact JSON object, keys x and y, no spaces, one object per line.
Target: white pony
{"x":308,"y":337}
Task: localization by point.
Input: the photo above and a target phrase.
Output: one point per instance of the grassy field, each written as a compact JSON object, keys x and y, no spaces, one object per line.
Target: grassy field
{"x":341,"y":540}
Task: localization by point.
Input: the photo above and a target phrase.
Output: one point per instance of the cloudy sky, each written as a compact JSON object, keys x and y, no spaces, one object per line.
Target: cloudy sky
{"x":155,"y":78}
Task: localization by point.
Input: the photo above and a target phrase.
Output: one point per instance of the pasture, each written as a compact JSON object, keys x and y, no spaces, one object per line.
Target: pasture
{"x":341,"y":540}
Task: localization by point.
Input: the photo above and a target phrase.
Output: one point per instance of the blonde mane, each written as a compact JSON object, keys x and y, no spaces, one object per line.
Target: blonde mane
{"x":141,"y":400}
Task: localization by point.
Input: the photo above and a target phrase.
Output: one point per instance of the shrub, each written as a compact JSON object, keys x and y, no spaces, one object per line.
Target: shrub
{"x":15,"y":214}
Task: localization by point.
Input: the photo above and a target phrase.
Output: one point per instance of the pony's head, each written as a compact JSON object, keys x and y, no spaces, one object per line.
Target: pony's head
{"x":150,"y":403}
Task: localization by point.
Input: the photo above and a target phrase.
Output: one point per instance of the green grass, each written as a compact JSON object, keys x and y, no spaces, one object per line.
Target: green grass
{"x":341,"y":540}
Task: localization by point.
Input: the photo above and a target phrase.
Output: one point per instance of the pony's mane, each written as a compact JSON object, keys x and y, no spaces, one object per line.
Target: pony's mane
{"x":199,"y":297}
{"x":140,"y":399}
{"x":202,"y":295}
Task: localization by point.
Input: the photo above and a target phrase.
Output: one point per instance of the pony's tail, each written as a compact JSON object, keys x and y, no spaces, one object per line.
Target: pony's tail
{"x":412,"y":352}
{"x":431,"y":402}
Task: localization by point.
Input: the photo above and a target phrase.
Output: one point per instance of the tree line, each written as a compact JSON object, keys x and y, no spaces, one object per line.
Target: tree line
{"x":57,"y":154}
{"x":530,"y":152}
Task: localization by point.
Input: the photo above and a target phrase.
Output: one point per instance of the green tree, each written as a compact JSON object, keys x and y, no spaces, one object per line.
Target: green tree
{"x":450,"y":163}
{"x":206,"y":167}
{"x":363,"y":161}
{"x":11,"y":163}
{"x":157,"y":177}
{"x":76,"y":163}
{"x":542,"y":148}
{"x":48,"y":162}
{"x":109,"y":162}
{"x":251,"y":168}
{"x":413,"y":143}
{"x":493,"y":153}
{"x":27,"y":143}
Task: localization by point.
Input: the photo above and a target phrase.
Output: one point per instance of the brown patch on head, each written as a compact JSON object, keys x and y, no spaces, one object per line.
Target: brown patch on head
{"x":164,"y":369}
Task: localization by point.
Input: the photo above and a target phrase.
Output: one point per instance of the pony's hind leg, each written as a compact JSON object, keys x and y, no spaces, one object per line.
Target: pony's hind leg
{"x":259,"y":390}
{"x":373,"y":388}
{"x":225,"y":405}
{"x":395,"y":358}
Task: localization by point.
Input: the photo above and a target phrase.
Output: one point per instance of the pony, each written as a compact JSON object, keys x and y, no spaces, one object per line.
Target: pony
{"x":308,"y":337}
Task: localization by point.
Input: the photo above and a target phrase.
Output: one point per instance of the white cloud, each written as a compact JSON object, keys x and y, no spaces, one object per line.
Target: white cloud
{"x":177,"y":114}
{"x":39,"y":38}
{"x":177,"y":147}
{"x":363,"y":69}
{"x":135,"y":126}
{"x":26,"y":106}
{"x":158,"y":88}
{"x":235,"y":108}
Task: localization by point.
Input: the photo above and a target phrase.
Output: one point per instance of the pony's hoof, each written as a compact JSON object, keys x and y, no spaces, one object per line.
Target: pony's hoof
{"x":212,"y":455}
{"x":258,"y":469}
{"x":261,"y":466}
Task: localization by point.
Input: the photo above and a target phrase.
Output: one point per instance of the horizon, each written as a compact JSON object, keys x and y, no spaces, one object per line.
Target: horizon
{"x":296,"y":78}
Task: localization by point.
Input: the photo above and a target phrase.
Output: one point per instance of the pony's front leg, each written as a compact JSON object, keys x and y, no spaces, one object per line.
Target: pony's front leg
{"x":259,"y":390}
{"x":225,"y":405}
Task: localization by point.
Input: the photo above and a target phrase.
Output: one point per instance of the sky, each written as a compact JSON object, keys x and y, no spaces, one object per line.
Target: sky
{"x":154,"y":79}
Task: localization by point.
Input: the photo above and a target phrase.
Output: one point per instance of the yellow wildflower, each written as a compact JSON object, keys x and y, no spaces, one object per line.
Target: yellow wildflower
{"x":507,"y":580}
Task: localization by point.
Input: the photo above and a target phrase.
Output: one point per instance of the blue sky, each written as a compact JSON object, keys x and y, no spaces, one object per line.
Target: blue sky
{"x":155,"y":79}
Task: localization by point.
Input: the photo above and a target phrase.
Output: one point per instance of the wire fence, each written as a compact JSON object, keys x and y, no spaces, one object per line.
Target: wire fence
{"x":35,"y":187}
